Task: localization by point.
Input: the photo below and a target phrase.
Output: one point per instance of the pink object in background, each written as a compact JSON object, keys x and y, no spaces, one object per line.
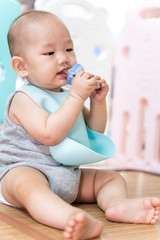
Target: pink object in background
{"x":135,"y":126}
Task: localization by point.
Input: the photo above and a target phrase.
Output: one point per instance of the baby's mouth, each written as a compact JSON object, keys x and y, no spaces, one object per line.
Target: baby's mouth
{"x":64,"y":72}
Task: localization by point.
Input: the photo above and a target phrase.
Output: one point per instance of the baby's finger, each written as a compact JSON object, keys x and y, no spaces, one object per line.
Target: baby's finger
{"x":80,"y":73}
{"x":93,"y":81}
{"x":88,"y":75}
{"x":97,"y":77}
{"x":104,"y":84}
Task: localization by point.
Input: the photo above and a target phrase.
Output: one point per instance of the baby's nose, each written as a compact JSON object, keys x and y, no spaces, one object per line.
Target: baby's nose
{"x":62,"y":58}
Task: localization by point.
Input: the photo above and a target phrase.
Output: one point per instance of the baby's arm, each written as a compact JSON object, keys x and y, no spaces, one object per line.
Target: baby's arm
{"x":50,"y":129}
{"x":96,"y":118}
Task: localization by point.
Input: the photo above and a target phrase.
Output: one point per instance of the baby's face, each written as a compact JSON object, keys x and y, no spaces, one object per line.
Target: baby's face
{"x":49,"y":54}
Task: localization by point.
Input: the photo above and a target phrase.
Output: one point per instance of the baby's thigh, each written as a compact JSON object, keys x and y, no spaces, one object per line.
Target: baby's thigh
{"x":19,"y":182}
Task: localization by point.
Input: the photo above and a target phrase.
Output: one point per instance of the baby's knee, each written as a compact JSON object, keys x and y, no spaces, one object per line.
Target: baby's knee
{"x":117,"y":176}
{"x":106,"y":176}
{"x":21,"y":186}
{"x":12,"y":187}
{"x":21,"y":182}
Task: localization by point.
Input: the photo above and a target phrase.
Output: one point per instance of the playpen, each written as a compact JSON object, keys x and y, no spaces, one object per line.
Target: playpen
{"x":136,"y":110}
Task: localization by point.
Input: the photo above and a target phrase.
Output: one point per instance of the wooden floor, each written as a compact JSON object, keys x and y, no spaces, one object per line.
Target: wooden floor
{"x":18,"y":225}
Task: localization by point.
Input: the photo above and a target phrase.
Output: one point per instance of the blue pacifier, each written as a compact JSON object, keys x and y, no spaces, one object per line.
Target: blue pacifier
{"x":74,"y":70}
{"x":72,"y":73}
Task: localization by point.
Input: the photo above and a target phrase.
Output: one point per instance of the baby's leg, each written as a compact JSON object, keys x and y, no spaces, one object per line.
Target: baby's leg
{"x":110,"y":192}
{"x":118,"y":207}
{"x":27,"y":187}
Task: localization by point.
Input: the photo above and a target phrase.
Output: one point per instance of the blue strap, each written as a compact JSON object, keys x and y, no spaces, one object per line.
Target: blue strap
{"x":82,"y":145}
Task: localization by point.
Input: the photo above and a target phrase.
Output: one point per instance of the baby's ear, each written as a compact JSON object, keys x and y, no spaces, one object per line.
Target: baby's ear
{"x":19,"y":66}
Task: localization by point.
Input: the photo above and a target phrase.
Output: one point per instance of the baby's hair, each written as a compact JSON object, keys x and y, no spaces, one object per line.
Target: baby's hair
{"x":17,"y":31}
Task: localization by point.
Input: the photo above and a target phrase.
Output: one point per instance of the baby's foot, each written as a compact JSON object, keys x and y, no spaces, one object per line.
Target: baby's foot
{"x":142,"y":210}
{"x":82,"y":226}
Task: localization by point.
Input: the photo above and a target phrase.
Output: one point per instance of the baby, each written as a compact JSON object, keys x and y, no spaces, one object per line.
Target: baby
{"x":43,"y":53}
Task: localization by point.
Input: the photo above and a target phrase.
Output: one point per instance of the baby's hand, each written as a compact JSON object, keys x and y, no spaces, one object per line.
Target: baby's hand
{"x":101,"y":93}
{"x":84,"y":84}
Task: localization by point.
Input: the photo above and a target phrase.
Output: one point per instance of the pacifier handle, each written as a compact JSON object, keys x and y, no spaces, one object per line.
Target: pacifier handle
{"x":74,"y":70}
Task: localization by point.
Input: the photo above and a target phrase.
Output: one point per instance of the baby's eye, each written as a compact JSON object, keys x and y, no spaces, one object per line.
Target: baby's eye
{"x":49,"y":53}
{"x":69,"y":49}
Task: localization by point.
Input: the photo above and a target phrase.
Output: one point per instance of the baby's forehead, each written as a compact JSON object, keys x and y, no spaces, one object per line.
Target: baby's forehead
{"x":50,"y":22}
{"x":47,"y":34}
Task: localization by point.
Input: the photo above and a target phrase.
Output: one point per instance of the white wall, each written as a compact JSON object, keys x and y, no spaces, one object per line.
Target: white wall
{"x":116,"y":10}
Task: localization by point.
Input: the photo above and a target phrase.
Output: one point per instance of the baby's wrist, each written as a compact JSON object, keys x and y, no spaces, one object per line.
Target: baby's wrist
{"x":98,"y":102}
{"x":76,"y":96}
